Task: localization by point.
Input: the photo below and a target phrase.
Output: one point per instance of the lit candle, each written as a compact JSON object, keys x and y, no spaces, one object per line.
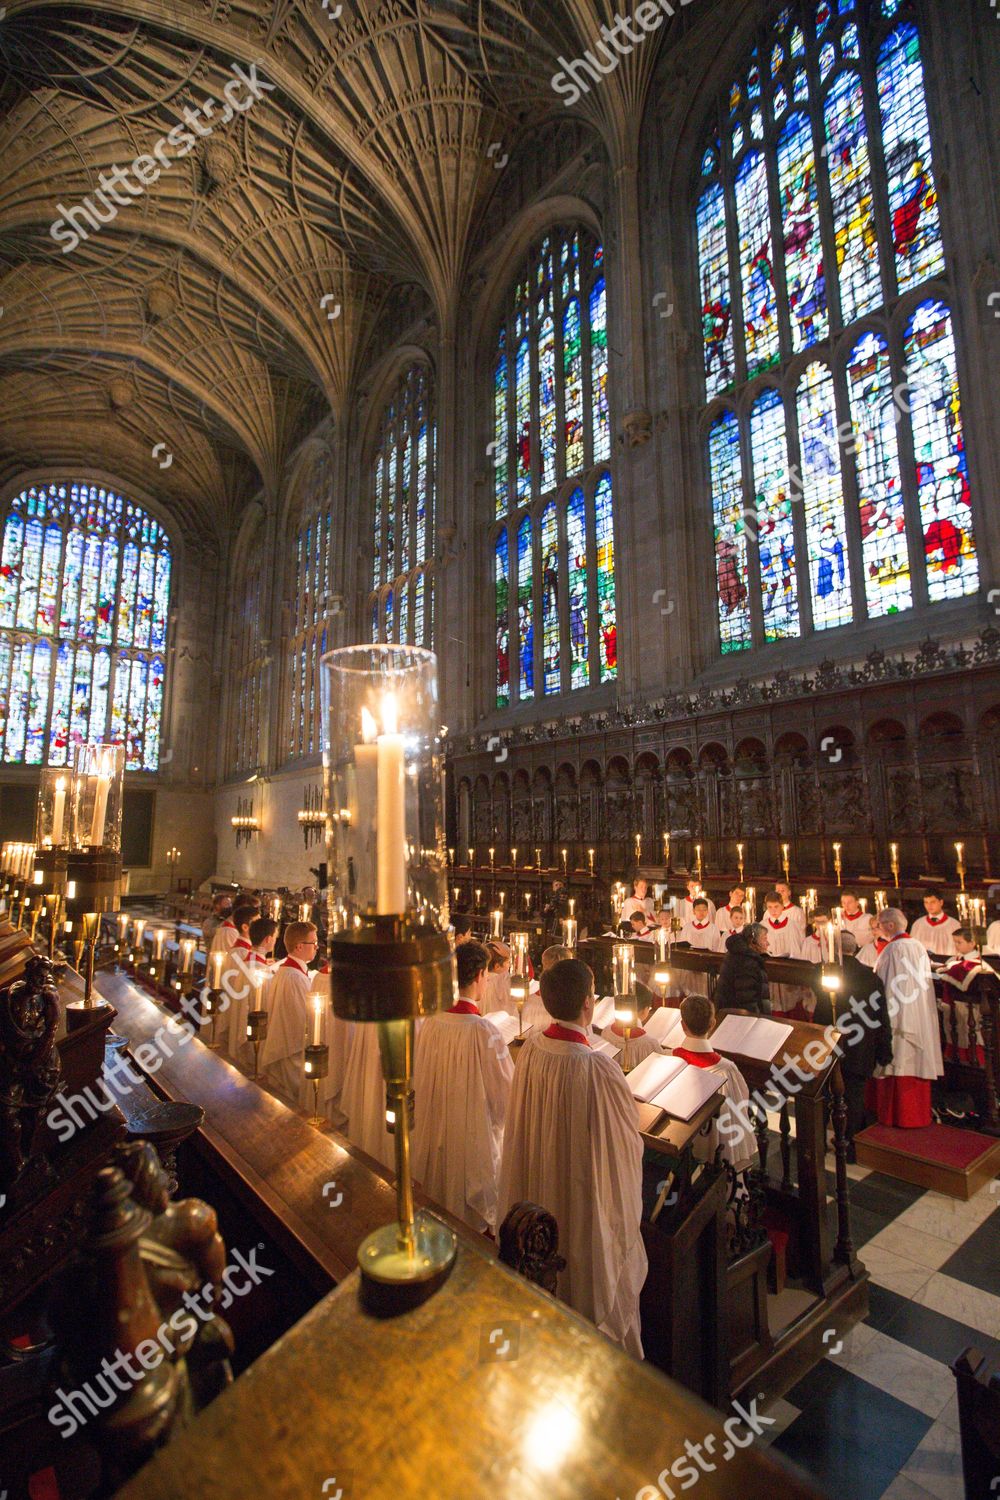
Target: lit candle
{"x":158,"y":941}
{"x":666,"y":848}
{"x":496,"y":924}
{"x":863,"y":903}
{"x":215,"y":963}
{"x":101,"y":791}
{"x":527,"y":902}
{"x":513,"y":857}
{"x":391,"y":813}
{"x":751,"y":903}
{"x":123,"y":920}
{"x":572,"y":906}
{"x":317,"y":1020}
{"x":590,"y":860}
{"x":623,"y":961}
{"x":305,"y":911}
{"x":479,"y":895}
{"x":492,"y":853}
{"x":880,"y":901}
{"x":503,"y":899}
{"x":565,"y":856}
{"x":697,"y":859}
{"x":569,"y":932}
{"x":538,"y":859}
{"x":59,"y":810}
{"x":140,"y":928}
{"x":785,"y":859}
{"x":187,"y":954}
{"x":638,"y":846}
{"x":830,"y":933}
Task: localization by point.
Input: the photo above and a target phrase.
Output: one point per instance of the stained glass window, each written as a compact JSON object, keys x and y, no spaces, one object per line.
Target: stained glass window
{"x":84,"y":606}
{"x":310,"y":602}
{"x":553,"y":552}
{"x":404,"y":477}
{"x":811,"y":247}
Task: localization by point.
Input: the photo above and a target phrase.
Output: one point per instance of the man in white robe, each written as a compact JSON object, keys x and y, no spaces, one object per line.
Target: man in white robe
{"x":572,"y":1145}
{"x":228,"y":933}
{"x":236,"y":980}
{"x":282,"y":1057}
{"x":902,"y":1096}
{"x":936,"y":929}
{"x":699,"y":931}
{"x":462,"y":1075}
{"x":685,"y":908}
{"x":639,"y":901}
{"x":336,"y":1035}
{"x":739,"y":1144}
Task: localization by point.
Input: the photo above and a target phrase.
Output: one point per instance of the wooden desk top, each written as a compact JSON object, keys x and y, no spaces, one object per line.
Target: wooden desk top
{"x":284,"y":1161}
{"x":348,"y":1406}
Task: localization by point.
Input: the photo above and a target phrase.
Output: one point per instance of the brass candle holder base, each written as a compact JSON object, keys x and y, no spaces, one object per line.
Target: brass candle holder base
{"x":317,"y":1067}
{"x":399,"y":1273}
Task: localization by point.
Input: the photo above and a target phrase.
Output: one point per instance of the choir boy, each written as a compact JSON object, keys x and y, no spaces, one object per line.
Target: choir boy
{"x":815,"y":947}
{"x":685,"y":908}
{"x":737,"y":923}
{"x":936,"y":929}
{"x":789,"y":910}
{"x":222,"y":907}
{"x":873,"y":942}
{"x":640,"y":925}
{"x":724,"y":916}
{"x":855,"y":919}
{"x":283,"y":1053}
{"x":461,"y":1082}
{"x":496,"y":995}
{"x":784,"y":939}
{"x":700,"y":931}
{"x":903,"y":1095}
{"x":461,"y":926}
{"x":956,"y":978}
{"x":993,"y":939}
{"x":236,"y":983}
{"x":739,"y":1145}
{"x":572,"y":1143}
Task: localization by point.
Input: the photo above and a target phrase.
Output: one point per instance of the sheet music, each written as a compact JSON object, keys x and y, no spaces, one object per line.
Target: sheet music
{"x":751,"y":1036}
{"x":653,"y":1074}
{"x":665,"y":1025}
{"x":685,"y":1094}
{"x":505,"y":1024}
{"x":604,"y":1012}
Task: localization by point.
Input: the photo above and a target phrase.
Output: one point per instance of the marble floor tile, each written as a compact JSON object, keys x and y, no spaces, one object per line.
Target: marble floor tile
{"x":905,"y":1489}
{"x":896,"y":1272}
{"x":967,"y":1304}
{"x":921,"y":1382}
{"x":912,"y":1244}
{"x":936,"y":1463}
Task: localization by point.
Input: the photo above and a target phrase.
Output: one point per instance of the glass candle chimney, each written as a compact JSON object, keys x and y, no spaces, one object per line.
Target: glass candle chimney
{"x":97,"y":785}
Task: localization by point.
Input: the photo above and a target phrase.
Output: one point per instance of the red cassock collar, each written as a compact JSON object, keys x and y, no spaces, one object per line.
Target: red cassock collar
{"x":464,"y":1008}
{"x":899,"y":937}
{"x":698,"y":1059}
{"x":701,"y":926}
{"x":230,"y":925}
{"x":962,"y":967}
{"x":557,"y":1033}
{"x":936,"y":921}
{"x":242,"y":942}
{"x":881,"y":944}
{"x":856,"y":917}
{"x":777,"y":925}
{"x":293,"y":963}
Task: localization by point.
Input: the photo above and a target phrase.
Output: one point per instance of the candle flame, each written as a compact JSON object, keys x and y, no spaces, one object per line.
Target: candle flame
{"x":390,"y":714}
{"x":369,"y":728}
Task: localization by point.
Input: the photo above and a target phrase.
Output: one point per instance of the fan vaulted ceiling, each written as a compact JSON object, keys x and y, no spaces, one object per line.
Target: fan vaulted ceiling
{"x":227,"y":307}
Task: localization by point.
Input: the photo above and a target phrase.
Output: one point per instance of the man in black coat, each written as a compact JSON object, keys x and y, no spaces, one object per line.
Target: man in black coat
{"x":743,"y":981}
{"x":861,"y":1013}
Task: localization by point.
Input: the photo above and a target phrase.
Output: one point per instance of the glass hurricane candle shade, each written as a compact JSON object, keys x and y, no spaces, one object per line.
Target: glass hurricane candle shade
{"x":54,"y":808}
{"x":97,"y":783}
{"x":385,"y":775}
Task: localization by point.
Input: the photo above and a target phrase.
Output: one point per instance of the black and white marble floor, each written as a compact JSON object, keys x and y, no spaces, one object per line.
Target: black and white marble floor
{"x":879,"y":1419}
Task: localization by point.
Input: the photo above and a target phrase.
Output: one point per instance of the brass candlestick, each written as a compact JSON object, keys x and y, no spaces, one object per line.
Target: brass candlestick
{"x":739,"y":860}
{"x":960,"y":864}
{"x":317,"y":1067}
{"x":257,"y":1033}
{"x":894,"y":865}
{"x":786,"y":862}
{"x":837,"y":867}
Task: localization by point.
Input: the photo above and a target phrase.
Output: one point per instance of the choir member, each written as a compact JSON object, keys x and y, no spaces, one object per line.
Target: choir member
{"x":222,"y":908}
{"x":992,"y":945}
{"x":903,"y":1093}
{"x":633,"y":1043}
{"x":225,"y":934}
{"x":461,"y":1082}
{"x":263,"y":934}
{"x":854,"y":918}
{"x":685,"y":908}
{"x":861,"y":1014}
{"x":739,"y":1145}
{"x":873,"y":943}
{"x":236,"y":983}
{"x":572,"y":1143}
{"x":363,"y":1096}
{"x":743,"y":982}
{"x":815,"y":948}
{"x":789,"y":910}
{"x":737,"y":923}
{"x":337,"y":1035}
{"x":461,"y":926}
{"x":496,"y":994}
{"x":935,"y":930}
{"x":956,"y":978}
{"x":282,"y":1056}
{"x":700,"y":931}
{"x":724,"y":916}
{"x":784,"y":939}
{"x":639,"y":901}
{"x":639,"y":925}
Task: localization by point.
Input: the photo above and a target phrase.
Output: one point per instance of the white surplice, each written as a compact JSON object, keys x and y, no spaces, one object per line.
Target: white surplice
{"x":282,"y":1057}
{"x":572,"y":1145}
{"x":461,"y":1083}
{"x":905,"y":971}
{"x":993,"y":939}
{"x":685,"y":910}
{"x":362,"y":1099}
{"x":224,"y":938}
{"x":936,"y":934}
{"x":728,"y":1129}
{"x":336,"y":1035}
{"x":632,"y":1051}
{"x":705,"y":936}
{"x":496,"y":994}
{"x":238,"y":991}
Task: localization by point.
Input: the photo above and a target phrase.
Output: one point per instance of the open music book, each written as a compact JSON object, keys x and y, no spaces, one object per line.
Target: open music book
{"x":750,"y":1036}
{"x":506,"y":1024}
{"x":665,"y":1025}
{"x":671,"y":1084}
{"x":604,"y":1012}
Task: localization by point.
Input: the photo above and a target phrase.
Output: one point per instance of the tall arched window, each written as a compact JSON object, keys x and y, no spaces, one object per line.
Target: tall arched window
{"x":839,"y":483}
{"x":553,"y":552}
{"x":244,"y":750}
{"x":309,"y":608}
{"x":84,"y":607}
{"x":403,"y":491}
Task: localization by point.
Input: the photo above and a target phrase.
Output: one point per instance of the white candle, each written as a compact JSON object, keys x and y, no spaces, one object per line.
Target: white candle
{"x":569,"y":931}
{"x":103,"y":787}
{"x":216,"y":961}
{"x":317,"y":1020}
{"x":187,"y":950}
{"x":59,"y":811}
{"x":391,"y":813}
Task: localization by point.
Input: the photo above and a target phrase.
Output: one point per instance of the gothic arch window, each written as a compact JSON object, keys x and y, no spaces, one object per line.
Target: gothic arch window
{"x":309,"y":608}
{"x":244,"y":749}
{"x":403,"y":487}
{"x":836,"y":455}
{"x":84,"y":610}
{"x":553,"y":549}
